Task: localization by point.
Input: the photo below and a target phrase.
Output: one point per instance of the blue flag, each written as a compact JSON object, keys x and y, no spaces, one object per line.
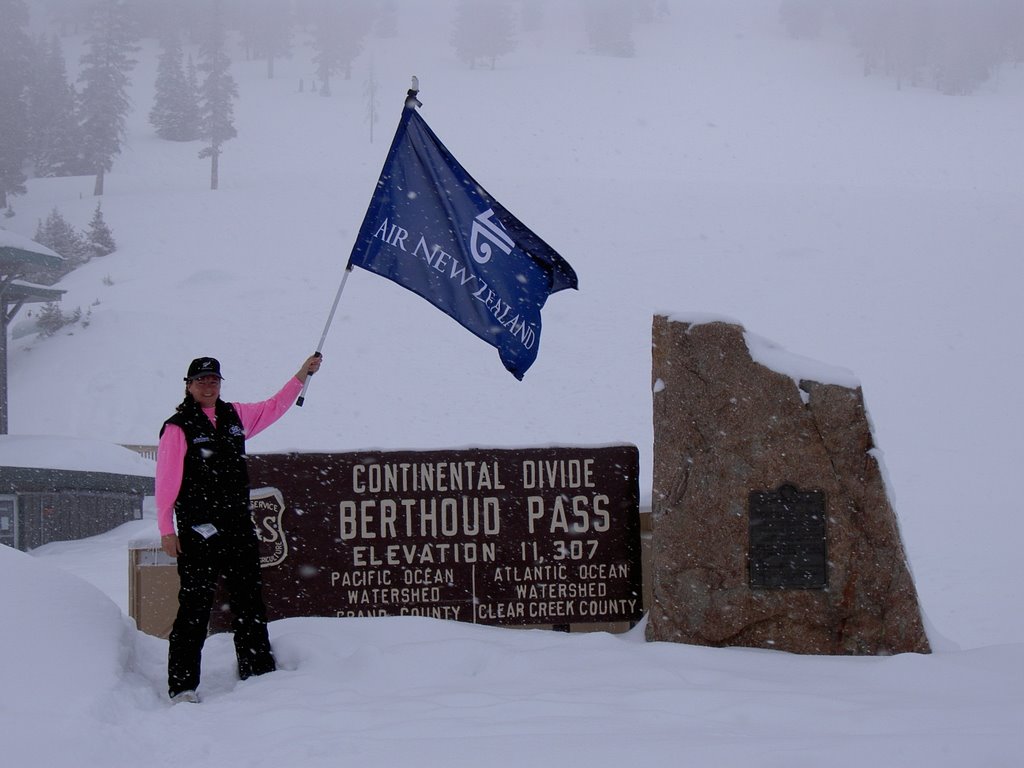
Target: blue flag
{"x":433,"y":229}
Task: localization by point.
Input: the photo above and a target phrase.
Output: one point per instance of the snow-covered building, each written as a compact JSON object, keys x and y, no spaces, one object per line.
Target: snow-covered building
{"x":57,"y":488}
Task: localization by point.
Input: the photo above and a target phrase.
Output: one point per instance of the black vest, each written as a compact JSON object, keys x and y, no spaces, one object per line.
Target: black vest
{"x":215,"y":480}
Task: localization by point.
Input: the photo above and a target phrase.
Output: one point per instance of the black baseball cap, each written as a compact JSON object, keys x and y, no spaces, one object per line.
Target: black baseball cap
{"x":203,"y":366}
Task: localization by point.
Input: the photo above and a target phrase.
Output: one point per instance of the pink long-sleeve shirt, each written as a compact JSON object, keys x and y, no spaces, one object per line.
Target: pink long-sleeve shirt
{"x":170,"y":453}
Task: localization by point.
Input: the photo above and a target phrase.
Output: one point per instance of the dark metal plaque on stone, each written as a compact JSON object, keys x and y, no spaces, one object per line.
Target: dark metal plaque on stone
{"x":788,"y":539}
{"x":501,"y":537}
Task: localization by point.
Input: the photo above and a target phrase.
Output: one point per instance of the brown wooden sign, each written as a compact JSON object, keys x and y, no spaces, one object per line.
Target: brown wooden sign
{"x":501,"y":537}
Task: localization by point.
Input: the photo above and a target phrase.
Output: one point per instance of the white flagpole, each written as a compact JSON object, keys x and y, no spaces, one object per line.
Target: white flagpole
{"x":327,"y":327}
{"x":410,"y":101}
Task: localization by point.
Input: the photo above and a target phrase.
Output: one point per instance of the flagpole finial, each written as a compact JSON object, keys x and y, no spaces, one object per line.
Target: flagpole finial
{"x":410,"y":97}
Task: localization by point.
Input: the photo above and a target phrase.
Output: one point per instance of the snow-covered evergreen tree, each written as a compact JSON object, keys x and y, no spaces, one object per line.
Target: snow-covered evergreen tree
{"x":68,"y":17}
{"x":954,"y":45}
{"x":531,"y":15}
{"x":51,"y":318}
{"x":99,"y":238}
{"x":104,"y":102}
{"x":191,"y":107}
{"x":966,"y":51}
{"x":609,"y":25}
{"x":58,"y":235}
{"x":370,"y":88}
{"x":15,"y":77}
{"x":268,"y":31}
{"x":217,"y":92}
{"x":483,"y":31}
{"x":802,"y":19}
{"x":52,"y":103}
{"x":339,"y":33}
{"x":1009,"y":21}
{"x":175,"y":112}
{"x":385,"y":24}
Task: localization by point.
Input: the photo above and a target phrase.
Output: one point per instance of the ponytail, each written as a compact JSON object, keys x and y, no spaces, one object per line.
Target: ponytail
{"x":184,"y":403}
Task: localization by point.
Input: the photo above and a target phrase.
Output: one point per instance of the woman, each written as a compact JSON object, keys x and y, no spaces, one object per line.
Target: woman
{"x":201,"y":479}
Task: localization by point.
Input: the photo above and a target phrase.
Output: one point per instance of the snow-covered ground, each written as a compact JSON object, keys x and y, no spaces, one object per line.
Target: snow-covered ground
{"x":725,"y":170}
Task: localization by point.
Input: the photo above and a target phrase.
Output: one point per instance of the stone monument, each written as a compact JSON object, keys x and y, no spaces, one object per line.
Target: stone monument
{"x":772,"y":527}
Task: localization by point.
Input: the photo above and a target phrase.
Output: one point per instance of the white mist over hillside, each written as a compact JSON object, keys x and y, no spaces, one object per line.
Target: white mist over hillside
{"x":725,"y":169}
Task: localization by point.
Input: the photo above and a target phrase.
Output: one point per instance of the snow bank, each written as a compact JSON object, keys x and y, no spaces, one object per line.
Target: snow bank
{"x":78,"y":633}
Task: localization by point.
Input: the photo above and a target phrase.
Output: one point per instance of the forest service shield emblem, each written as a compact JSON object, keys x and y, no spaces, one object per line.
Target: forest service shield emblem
{"x":266,"y":505}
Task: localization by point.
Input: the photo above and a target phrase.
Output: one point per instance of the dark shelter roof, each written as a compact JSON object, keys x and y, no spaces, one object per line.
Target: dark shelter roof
{"x":18,"y":254}
{"x":27,"y":293}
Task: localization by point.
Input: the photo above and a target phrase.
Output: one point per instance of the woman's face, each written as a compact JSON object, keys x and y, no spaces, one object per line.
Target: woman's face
{"x":205,"y":390}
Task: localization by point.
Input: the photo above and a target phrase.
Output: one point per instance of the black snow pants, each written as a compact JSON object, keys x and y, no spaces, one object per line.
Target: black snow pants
{"x":235,"y":556}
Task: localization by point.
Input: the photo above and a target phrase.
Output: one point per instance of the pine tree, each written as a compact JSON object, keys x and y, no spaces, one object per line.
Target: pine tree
{"x":50,"y":319}
{"x":338,"y":38}
{"x":609,"y":25}
{"x":954,"y":44}
{"x":99,"y":238}
{"x":270,"y":30}
{"x":175,"y":112}
{"x":966,"y":51}
{"x":1009,"y":20}
{"x":104,"y":101}
{"x":386,"y":23}
{"x":370,"y":89}
{"x":802,"y":19}
{"x":15,"y":77}
{"x":52,"y":101}
{"x":325,"y":55}
{"x":531,"y":15}
{"x":191,"y":114}
{"x":170,"y":81}
{"x":217,"y":93}
{"x":58,"y":235}
{"x":483,"y":30}
{"x":69,"y":17}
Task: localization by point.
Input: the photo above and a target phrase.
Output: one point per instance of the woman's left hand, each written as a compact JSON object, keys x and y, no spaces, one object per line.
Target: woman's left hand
{"x":311,"y":366}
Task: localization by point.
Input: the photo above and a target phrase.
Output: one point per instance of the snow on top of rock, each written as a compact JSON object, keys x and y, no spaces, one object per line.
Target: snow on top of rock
{"x":774,"y":357}
{"x":797,"y":367}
